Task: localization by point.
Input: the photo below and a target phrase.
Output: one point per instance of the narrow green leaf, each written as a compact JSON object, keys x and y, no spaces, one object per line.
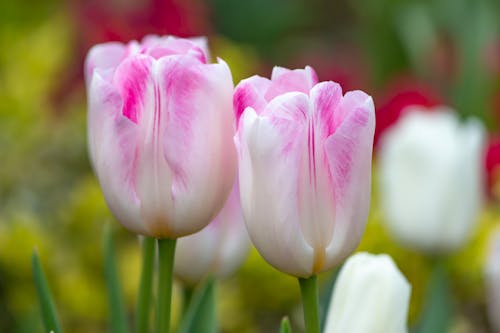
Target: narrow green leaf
{"x":49,"y":313}
{"x":200,"y":316}
{"x":115,"y":299}
{"x":285,"y":326}
{"x":145,"y":287}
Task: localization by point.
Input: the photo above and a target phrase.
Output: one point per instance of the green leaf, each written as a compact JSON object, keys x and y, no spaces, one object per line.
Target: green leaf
{"x":115,"y":299}
{"x":49,"y":313}
{"x":285,"y":326}
{"x":438,"y":305}
{"x":201,"y":316}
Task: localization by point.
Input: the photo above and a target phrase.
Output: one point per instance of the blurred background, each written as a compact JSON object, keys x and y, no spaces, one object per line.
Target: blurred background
{"x":401,"y":52}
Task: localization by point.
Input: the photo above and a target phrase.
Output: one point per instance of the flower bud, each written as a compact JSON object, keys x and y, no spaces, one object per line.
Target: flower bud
{"x":371,"y":295}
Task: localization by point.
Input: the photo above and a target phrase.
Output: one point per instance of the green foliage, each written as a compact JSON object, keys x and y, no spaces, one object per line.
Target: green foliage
{"x":47,"y":307}
{"x":285,"y":326}
{"x":200,"y":316}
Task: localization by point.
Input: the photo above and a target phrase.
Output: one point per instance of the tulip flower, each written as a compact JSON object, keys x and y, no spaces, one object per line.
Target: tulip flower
{"x":493,"y":282}
{"x":218,"y":249}
{"x":160,"y":128}
{"x":305,"y":155}
{"x":305,"y":166}
{"x":371,"y":295}
{"x":430,"y":168}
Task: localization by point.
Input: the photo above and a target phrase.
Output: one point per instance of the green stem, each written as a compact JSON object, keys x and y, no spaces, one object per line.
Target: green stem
{"x":166,"y":252}
{"x":144,"y":299}
{"x":437,"y":312}
{"x":309,"y":292}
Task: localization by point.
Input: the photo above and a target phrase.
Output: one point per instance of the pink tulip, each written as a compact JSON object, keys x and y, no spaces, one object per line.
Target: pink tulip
{"x":160,"y":125}
{"x":219,"y":249}
{"x":305,"y":155}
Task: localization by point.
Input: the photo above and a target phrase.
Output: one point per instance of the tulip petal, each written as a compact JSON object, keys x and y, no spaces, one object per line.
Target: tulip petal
{"x":286,"y":80}
{"x":463,"y":211}
{"x":269,"y":195}
{"x":161,"y":46}
{"x":103,"y":56}
{"x":195,"y":254}
{"x":250,"y":93}
{"x":349,"y":153}
{"x":112,"y":145}
{"x":198,"y":101}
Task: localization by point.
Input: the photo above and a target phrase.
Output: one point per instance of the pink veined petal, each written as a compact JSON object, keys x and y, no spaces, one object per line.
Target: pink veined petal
{"x":315,"y":192}
{"x":250,"y":93}
{"x":325,"y":99}
{"x":197,"y":141}
{"x":307,"y":73}
{"x":285,"y":80}
{"x":202,"y":43}
{"x":103,"y":56}
{"x":349,"y":153}
{"x":269,"y":195}
{"x":160,"y":46}
{"x":133,"y":78}
{"x":112,"y":144}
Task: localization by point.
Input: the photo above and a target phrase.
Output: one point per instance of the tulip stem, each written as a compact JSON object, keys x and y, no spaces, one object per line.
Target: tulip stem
{"x":309,"y":291}
{"x":144,"y":298}
{"x":166,"y":252}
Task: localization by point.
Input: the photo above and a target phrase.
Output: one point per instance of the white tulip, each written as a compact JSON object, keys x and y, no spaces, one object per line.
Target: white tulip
{"x":493,"y":282}
{"x":370,"y":296}
{"x":431,"y":179}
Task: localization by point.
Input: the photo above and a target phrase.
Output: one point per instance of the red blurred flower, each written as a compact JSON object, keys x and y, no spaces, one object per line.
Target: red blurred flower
{"x":400,"y":94}
{"x":123,"y":20}
{"x":492,"y":165}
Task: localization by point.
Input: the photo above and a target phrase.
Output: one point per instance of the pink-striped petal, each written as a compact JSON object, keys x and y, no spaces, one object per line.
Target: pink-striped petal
{"x":103,"y":56}
{"x":349,"y":153}
{"x":286,"y":80}
{"x":198,"y":102}
{"x":250,"y":93}
{"x":269,"y":194}
{"x":161,"y":46}
{"x":112,"y":144}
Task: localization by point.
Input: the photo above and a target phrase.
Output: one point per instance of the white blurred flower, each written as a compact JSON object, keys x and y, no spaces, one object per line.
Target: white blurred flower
{"x":431,"y":178}
{"x":370,"y":296}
